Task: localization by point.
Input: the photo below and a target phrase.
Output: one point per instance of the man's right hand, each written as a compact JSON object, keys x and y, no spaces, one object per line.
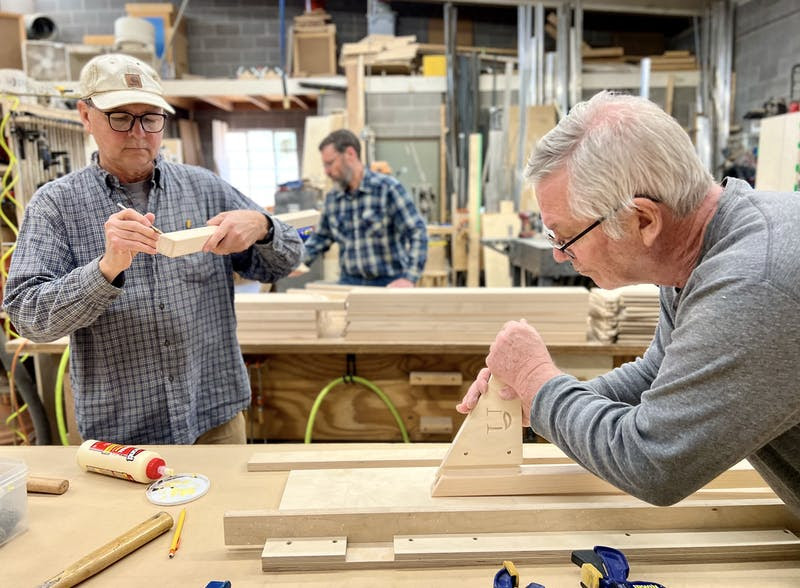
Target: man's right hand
{"x":127,"y":233}
{"x":519,"y":358}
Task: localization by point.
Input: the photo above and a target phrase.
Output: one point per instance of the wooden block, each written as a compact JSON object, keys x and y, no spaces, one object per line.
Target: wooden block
{"x":435,"y":425}
{"x":435,"y":378}
{"x":12,"y":33}
{"x":101,"y":40}
{"x":638,"y":546}
{"x":303,"y":551}
{"x":282,"y":458}
{"x":179,"y":243}
{"x":369,"y":516}
{"x":300,"y":219}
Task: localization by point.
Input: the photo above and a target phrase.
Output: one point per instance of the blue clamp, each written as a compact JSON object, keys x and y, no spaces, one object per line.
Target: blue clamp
{"x":305,"y":232}
{"x":606,"y":567}
{"x":508,"y":577}
{"x":219,"y":584}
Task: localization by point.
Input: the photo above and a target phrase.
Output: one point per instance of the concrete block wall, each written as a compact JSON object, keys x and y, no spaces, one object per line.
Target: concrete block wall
{"x":223,"y":34}
{"x":766,"y":46}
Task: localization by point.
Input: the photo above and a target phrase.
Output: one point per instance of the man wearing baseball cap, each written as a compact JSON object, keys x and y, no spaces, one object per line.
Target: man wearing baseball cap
{"x":154,"y":355}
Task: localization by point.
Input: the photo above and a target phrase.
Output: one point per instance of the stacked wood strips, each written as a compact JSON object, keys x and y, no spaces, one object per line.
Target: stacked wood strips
{"x":464,"y":314}
{"x":311,"y":21}
{"x":280,"y":317}
{"x":673,"y":61}
{"x":626,"y":315}
{"x":385,"y":53}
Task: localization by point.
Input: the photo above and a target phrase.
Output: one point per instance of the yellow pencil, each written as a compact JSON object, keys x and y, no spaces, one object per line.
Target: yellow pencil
{"x":176,"y":538}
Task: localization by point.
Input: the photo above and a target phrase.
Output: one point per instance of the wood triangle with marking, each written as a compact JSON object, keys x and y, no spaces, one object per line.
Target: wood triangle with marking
{"x":485,"y":458}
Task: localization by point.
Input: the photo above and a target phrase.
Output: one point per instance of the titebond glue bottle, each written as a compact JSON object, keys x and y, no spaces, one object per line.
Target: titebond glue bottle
{"x":122,"y":461}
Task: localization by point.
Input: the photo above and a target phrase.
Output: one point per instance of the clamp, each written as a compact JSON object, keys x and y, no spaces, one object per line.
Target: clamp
{"x":508,"y":577}
{"x":606,"y":567}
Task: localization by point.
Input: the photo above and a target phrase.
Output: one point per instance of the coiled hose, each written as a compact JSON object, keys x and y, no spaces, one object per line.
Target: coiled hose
{"x":364,"y":382}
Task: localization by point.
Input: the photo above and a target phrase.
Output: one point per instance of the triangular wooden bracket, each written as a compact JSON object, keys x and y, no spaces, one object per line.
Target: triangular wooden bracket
{"x":485,"y":458}
{"x":489,"y":441}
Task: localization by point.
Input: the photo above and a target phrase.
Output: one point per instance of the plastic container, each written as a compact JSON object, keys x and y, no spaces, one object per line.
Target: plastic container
{"x":122,"y":461}
{"x":13,"y":498}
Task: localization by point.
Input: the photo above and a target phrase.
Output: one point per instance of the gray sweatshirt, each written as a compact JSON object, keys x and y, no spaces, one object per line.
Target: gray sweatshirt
{"x":719,"y":382}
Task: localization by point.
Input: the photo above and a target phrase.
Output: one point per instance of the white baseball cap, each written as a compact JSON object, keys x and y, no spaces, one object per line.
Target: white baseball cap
{"x":115,"y":79}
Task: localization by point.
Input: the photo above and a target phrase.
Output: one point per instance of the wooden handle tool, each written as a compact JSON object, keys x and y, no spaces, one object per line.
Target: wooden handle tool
{"x":47,"y":485}
{"x":111,"y":552}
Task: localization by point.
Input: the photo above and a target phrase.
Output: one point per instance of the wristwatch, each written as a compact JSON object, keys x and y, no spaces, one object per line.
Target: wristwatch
{"x":270,"y":233}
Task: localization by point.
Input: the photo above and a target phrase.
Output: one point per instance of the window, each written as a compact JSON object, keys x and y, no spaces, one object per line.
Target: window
{"x":259,"y":160}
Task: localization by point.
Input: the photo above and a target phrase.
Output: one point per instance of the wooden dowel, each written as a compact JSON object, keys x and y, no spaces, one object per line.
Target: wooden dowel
{"x":47,"y":485}
{"x":111,"y":552}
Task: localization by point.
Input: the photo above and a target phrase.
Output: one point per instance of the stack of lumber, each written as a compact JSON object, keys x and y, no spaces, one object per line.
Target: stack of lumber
{"x":670,"y":61}
{"x":602,"y":54}
{"x":385,"y":53}
{"x":603,"y":315}
{"x":280,"y":317}
{"x":639,"y":316}
{"x":446,"y":315}
{"x":624,"y":315}
{"x":312,"y":21}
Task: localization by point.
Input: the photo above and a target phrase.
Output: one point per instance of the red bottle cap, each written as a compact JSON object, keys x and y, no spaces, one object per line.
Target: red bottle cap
{"x":152,"y":468}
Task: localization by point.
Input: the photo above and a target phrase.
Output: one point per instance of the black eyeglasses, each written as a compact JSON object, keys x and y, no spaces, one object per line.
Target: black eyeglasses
{"x":121,"y":121}
{"x":564,"y":247}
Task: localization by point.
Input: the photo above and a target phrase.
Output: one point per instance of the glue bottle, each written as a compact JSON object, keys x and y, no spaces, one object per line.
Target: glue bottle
{"x":122,"y":461}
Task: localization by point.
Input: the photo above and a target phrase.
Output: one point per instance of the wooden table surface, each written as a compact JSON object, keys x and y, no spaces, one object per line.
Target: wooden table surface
{"x":341,"y":345}
{"x":96,"y":509}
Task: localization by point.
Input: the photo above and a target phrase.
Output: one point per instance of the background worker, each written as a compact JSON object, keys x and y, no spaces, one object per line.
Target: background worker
{"x":628,"y":201}
{"x":154,"y":354}
{"x":382,"y":237}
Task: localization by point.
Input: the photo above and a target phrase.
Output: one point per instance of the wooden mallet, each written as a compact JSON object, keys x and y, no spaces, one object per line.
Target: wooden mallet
{"x":111,"y":552}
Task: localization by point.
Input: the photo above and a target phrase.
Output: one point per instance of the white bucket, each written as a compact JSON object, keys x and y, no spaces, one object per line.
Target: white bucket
{"x":134,"y":33}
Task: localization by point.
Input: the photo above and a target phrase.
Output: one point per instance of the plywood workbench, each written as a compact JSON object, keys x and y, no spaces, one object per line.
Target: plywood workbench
{"x":97,"y":508}
{"x":292,"y":373}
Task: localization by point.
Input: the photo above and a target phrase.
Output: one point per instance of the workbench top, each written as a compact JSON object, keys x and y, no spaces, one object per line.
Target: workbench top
{"x":340,"y":345}
{"x":96,"y":509}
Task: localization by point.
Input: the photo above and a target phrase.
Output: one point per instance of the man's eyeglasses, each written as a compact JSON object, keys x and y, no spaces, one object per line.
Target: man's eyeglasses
{"x":121,"y":121}
{"x":564,"y":246}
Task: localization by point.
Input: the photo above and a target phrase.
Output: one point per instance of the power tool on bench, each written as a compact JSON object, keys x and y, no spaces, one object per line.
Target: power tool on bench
{"x":606,"y":567}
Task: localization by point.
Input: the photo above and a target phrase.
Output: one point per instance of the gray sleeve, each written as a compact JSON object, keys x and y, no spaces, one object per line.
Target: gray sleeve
{"x":725,"y":387}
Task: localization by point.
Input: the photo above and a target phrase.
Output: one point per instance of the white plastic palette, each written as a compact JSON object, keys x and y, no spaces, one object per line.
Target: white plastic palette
{"x":177,"y":489}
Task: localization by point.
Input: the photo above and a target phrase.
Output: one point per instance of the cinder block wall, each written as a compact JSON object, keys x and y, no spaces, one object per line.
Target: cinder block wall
{"x":223,"y":34}
{"x":767,"y":45}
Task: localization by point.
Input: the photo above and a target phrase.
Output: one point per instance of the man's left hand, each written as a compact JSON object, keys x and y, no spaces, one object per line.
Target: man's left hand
{"x":400,"y":283}
{"x":238,"y":230}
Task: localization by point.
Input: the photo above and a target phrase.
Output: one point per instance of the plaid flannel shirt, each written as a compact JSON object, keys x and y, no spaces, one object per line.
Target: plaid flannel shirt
{"x":378,"y":228}
{"x":154,"y":355}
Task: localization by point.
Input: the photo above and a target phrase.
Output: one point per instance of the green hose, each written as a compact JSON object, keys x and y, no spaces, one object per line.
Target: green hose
{"x":62,"y":425}
{"x":364,"y":382}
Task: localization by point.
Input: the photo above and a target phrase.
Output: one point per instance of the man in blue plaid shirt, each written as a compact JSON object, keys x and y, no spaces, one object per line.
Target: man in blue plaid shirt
{"x":154,"y":355}
{"x":382,"y":238}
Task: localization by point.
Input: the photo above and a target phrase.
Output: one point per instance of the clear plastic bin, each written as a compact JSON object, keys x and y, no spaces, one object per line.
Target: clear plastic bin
{"x":13,"y":498}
